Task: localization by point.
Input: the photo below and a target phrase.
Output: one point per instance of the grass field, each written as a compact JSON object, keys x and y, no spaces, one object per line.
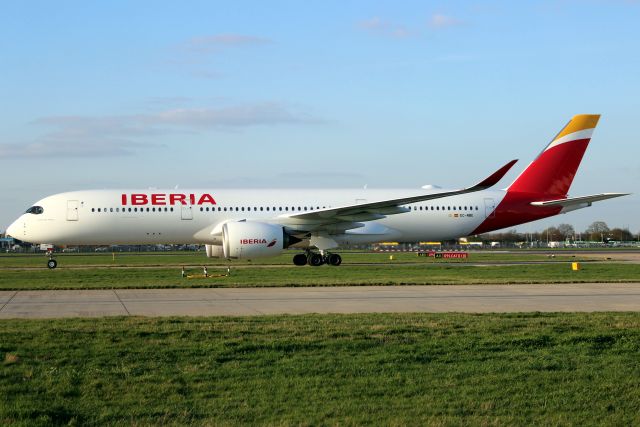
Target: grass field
{"x":162,"y":271}
{"x":416,"y":369}
{"x":164,"y":259}
{"x":96,"y":278}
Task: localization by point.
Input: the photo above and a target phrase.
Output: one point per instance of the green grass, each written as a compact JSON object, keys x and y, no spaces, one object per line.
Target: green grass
{"x":100,"y":271}
{"x":427,"y":274}
{"x":409,"y":369}
{"x":127,"y":259}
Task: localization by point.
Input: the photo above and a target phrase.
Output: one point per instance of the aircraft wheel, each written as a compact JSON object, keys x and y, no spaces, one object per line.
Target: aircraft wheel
{"x":300,"y":259}
{"x":334,"y":259}
{"x":52,"y":263}
{"x":315,"y":260}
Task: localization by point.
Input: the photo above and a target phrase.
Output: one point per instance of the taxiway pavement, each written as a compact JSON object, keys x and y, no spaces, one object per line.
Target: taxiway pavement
{"x":583,"y":297}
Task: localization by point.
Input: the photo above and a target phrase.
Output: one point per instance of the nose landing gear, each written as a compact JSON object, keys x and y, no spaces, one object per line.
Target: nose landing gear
{"x":316,"y":259}
{"x":52,"y":263}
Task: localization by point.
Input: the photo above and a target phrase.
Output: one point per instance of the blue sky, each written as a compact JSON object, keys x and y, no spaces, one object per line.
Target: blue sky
{"x":324,"y":94}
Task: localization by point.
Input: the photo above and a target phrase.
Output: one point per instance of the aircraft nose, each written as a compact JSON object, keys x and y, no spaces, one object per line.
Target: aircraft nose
{"x":13,"y":229}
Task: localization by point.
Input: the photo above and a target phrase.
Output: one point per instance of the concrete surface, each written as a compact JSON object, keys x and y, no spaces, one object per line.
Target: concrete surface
{"x":352,"y":299}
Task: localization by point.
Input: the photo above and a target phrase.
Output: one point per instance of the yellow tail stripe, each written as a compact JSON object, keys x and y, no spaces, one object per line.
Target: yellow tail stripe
{"x":578,"y":123}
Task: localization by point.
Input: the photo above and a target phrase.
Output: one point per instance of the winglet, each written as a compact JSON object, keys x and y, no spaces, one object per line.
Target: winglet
{"x":495,"y":177}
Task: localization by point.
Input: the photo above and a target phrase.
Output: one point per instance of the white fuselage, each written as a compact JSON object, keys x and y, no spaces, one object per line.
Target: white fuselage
{"x":106,"y":217}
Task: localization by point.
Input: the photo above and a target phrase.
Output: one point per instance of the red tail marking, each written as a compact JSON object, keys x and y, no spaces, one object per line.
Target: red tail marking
{"x":552,"y":173}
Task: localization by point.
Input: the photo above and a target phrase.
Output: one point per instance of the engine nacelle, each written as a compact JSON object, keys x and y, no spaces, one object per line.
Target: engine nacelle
{"x":214,"y":251}
{"x":247,"y":240}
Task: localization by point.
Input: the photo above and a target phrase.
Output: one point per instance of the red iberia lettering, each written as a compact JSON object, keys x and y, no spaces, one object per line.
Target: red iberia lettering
{"x":252,"y":241}
{"x":174,"y":198}
{"x":167,"y":199}
{"x":206,"y":198}
{"x":158,"y":199}
{"x":139,"y":199}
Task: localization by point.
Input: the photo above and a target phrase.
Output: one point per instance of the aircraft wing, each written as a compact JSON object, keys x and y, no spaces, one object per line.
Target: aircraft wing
{"x":379,"y":209}
{"x":579,"y":202}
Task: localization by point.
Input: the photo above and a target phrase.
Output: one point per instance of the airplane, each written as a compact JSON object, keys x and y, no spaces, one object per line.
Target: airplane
{"x":248,"y":224}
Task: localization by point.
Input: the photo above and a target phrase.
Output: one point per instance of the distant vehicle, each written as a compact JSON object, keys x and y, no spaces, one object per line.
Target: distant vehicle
{"x":257,"y":223}
{"x":101,"y":249}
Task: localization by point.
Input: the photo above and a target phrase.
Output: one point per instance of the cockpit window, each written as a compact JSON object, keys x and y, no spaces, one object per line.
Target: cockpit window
{"x":36,"y":210}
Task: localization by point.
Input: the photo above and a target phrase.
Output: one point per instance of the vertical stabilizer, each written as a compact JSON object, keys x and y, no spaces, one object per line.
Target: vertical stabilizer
{"x":552,"y":172}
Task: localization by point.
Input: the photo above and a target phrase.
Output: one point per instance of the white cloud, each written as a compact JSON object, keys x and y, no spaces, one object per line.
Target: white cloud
{"x":198,"y":53}
{"x":53,"y":148}
{"x":87,"y":136}
{"x":384,"y":28}
{"x":373,"y":24}
{"x":440,"y":21}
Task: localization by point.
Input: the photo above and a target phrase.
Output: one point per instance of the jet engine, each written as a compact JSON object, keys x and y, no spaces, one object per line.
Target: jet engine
{"x":214,"y":251}
{"x":248,"y":240}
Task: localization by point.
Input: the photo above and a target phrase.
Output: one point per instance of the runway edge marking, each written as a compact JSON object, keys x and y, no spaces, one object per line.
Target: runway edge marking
{"x":115,"y":292}
{"x":9,"y":301}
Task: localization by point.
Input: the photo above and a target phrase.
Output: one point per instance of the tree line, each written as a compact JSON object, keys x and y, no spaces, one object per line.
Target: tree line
{"x":598,"y":231}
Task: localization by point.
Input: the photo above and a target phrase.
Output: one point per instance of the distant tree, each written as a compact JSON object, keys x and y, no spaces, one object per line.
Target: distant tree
{"x":621,"y":234}
{"x":551,"y":234}
{"x":566,"y":231}
{"x":597,"y":230}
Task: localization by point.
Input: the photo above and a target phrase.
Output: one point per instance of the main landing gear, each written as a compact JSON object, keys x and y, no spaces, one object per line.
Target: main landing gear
{"x":316,"y":259}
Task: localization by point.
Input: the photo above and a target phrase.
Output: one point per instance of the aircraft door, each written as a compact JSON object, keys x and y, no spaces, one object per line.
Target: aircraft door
{"x":187,"y":212}
{"x":489,"y":208}
{"x":72,"y":210}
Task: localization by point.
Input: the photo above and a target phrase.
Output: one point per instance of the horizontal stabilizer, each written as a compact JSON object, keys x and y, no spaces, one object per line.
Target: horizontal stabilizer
{"x":578,"y":202}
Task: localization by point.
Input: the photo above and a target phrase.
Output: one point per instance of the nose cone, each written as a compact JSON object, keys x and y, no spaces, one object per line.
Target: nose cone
{"x":13,"y":230}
